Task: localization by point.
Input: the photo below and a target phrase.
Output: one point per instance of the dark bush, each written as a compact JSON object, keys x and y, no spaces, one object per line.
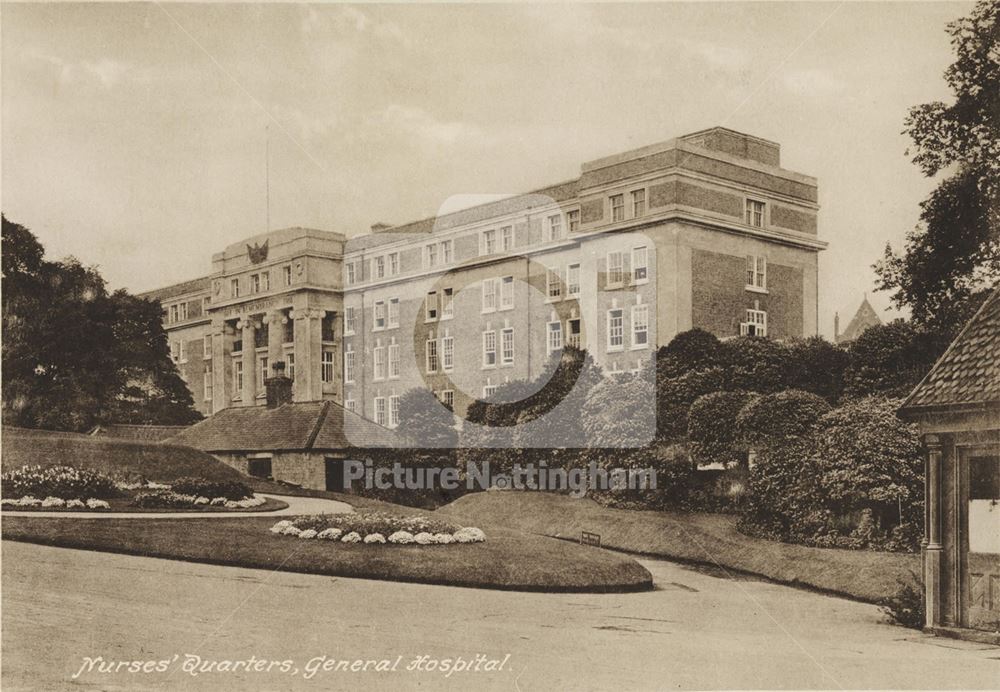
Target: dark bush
{"x":712,"y":428}
{"x":906,"y":607}
{"x":161,"y":499}
{"x":202,"y":487}
{"x":776,"y":418}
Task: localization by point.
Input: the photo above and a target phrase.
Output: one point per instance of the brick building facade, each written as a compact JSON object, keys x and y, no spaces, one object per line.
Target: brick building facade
{"x":705,"y":230}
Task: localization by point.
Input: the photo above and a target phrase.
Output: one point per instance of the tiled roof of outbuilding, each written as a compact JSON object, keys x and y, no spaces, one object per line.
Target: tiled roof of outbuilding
{"x":969,"y":371}
{"x":303,"y":426}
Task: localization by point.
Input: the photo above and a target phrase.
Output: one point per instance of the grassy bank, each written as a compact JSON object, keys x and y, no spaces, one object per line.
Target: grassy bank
{"x":507,"y":560}
{"x":709,"y":539}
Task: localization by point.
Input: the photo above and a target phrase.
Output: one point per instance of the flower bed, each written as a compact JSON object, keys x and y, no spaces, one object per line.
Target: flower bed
{"x":377,"y":528}
{"x":65,"y":482}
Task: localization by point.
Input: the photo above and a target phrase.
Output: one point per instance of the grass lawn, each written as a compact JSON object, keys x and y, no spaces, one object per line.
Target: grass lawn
{"x":124,"y":504}
{"x":710,"y":539}
{"x":507,"y":560}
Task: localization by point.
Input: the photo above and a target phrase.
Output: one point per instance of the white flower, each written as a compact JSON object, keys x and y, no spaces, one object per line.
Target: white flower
{"x":352,"y":537}
{"x":308,"y":533}
{"x":53,"y":502}
{"x":7,"y":502}
{"x":75,"y":503}
{"x":401,"y":537}
{"x":443,"y":538}
{"x":232,"y":504}
{"x":291,"y":531}
{"x":374,"y":538}
{"x":219,"y":501}
{"x":29,"y":501}
{"x":424,"y":538}
{"x":330,"y":534}
{"x":469,"y":535}
{"x":201,"y":500}
{"x":281,"y":526}
{"x":156,"y":486}
{"x":94,"y":503}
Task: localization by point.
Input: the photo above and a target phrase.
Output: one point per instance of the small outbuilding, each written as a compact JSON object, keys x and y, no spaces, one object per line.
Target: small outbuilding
{"x":957,"y":408}
{"x":304,"y":443}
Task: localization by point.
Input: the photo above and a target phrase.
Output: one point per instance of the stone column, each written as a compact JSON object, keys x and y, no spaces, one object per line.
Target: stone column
{"x":275,"y":332}
{"x":932,"y":531}
{"x":308,"y":384}
{"x":249,"y":362}
{"x":222,"y":374}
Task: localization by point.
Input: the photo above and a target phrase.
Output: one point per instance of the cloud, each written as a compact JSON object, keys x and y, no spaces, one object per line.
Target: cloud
{"x":811,"y":82}
{"x":106,"y":72}
{"x":347,"y":19}
{"x":419,"y":123}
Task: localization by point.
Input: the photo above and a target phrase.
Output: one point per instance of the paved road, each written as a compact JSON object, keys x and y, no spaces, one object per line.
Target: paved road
{"x":695,"y":631}
{"x":296,"y":505}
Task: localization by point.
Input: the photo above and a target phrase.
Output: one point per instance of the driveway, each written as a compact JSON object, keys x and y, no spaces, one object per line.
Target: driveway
{"x":694,"y":631}
{"x":296,"y":505}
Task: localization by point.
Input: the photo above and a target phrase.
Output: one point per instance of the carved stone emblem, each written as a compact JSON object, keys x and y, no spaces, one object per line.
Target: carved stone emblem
{"x":257,"y":253}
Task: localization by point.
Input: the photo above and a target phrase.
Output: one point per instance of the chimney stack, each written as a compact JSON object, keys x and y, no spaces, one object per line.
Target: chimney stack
{"x":836,"y":327}
{"x":278,"y":386}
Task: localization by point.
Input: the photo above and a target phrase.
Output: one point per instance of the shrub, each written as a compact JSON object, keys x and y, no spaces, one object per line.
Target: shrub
{"x":712,"y":428}
{"x":65,"y":482}
{"x":756,"y":364}
{"x":203,"y":487}
{"x":776,"y":418}
{"x":162,"y":499}
{"x":366,"y":522}
{"x":906,"y":607}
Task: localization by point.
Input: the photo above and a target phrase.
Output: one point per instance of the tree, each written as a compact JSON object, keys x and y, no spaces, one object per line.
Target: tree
{"x":890,"y":359}
{"x":776,"y":419}
{"x":73,"y":355}
{"x":712,"y":428}
{"x":425,"y":422}
{"x":815,"y":365}
{"x":755,"y":364}
{"x":953,"y":256}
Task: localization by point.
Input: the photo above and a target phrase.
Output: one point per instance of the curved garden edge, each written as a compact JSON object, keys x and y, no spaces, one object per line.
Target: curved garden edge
{"x":271,"y":504}
{"x":709,"y":540}
{"x":508,"y":560}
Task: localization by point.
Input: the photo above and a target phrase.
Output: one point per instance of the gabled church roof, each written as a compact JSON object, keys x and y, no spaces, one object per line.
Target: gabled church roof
{"x":298,"y":426}
{"x":865,"y":317}
{"x":968,"y":374}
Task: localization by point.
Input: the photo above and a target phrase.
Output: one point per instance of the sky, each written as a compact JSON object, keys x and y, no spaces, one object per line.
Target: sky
{"x":134,"y":136}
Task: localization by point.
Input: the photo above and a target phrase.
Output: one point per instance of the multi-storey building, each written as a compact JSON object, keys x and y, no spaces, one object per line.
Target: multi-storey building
{"x":706,"y":230}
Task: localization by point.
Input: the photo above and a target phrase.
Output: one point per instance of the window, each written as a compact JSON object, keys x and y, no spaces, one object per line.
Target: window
{"x":325,"y":328}
{"x":640,"y":326}
{"x":393,"y":263}
{"x":238,"y":342}
{"x":290,"y":365}
{"x":260,"y":336}
{"x":264,"y":374}
{"x":393,"y":312}
{"x":265,"y":281}
{"x":507,"y":238}
{"x":380,"y":410}
{"x":431,"y":306}
{"x":489,"y":295}
{"x":573,"y":220}
{"x":448,"y":398}
{"x":430,"y":255}
{"x":640,"y":260}
{"x":638,"y":203}
{"x":393,"y":411}
{"x":757,"y":272}
{"x":326,"y":366}
{"x":393,"y":361}
{"x":234,"y":288}
{"x":489,"y":242}
{"x":755,"y":213}
{"x":378,"y":315}
{"x":207,"y":382}
{"x":447,"y":253}
{"x":448,"y":306}
{"x":238,"y":378}
{"x":755,"y":325}
{"x":288,"y":331}
{"x":379,"y":365}
{"x":616,"y":271}
{"x":432,"y":355}
{"x":255,"y":283}
{"x":172,"y":314}
{"x":554,"y":340}
{"x":348,"y":362}
{"x":349,"y":320}
{"x":615,"y":332}
{"x":206,"y":347}
{"x":573,"y":333}
{"x":507,"y":346}
{"x":617,"y":208}
{"x":448,"y":353}
{"x":555,"y":227}
{"x":182,"y":311}
{"x":553,"y":283}
{"x":206,"y":302}
{"x":351,"y":405}
{"x":352,"y":273}
{"x":507,"y":293}
{"x":573,"y":280}
{"x":286,"y":273}
{"x":379,"y":263}
{"x":489,"y":349}
{"x":489,"y":390}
